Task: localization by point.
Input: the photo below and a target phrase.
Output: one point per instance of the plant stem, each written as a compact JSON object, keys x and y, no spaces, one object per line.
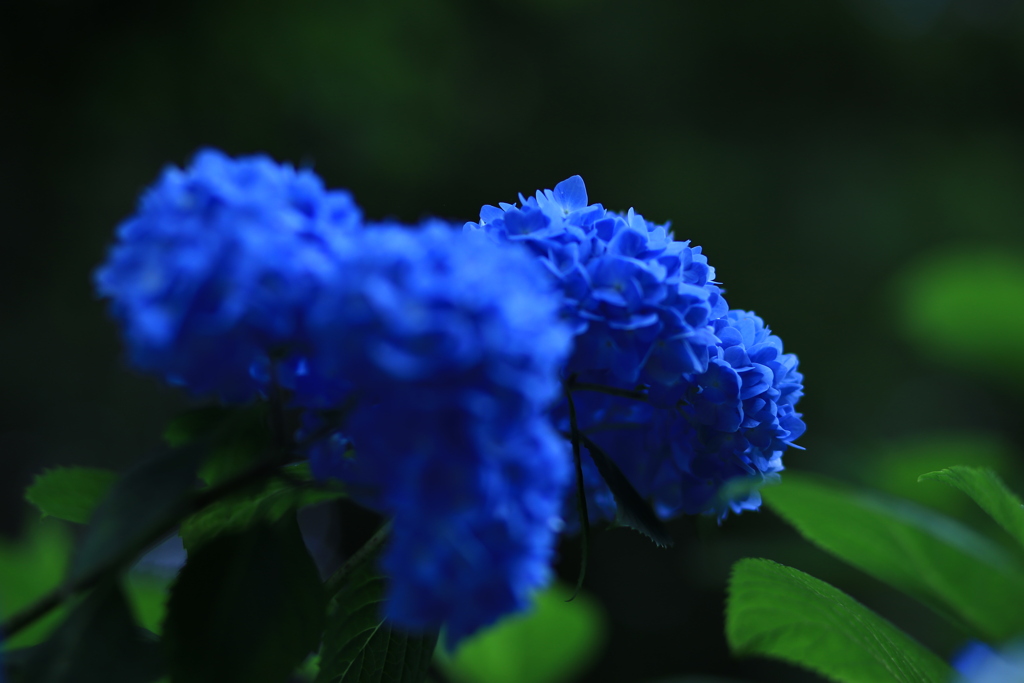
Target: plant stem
{"x":581,"y":493}
{"x":614,"y":391}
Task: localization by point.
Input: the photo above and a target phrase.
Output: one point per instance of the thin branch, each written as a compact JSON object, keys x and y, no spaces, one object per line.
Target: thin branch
{"x":581,"y":494}
{"x":614,"y":391}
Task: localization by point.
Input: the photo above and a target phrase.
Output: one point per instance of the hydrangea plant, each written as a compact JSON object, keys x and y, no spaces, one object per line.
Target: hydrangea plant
{"x":481,"y":387}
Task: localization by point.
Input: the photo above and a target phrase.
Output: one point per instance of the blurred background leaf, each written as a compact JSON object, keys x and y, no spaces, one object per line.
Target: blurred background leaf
{"x":556,"y":641}
{"x":29,"y":569}
{"x":965,"y":307}
{"x":70,"y":493}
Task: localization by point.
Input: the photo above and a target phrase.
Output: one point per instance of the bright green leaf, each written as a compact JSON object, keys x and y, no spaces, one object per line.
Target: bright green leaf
{"x":98,"y":643}
{"x":360,"y":646}
{"x":247,"y":607}
{"x":138,"y":505}
{"x":29,"y":569}
{"x":946,"y":565}
{"x":70,"y":493}
{"x":776,"y":611}
{"x":990,"y":493}
{"x":555,"y":641}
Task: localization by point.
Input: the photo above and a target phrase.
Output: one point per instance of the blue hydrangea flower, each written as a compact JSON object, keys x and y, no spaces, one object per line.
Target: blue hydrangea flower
{"x":451,"y":346}
{"x":722,"y":436}
{"x":639,"y":301}
{"x":648,"y":316}
{"x":211,"y":276}
{"x":980,"y":663}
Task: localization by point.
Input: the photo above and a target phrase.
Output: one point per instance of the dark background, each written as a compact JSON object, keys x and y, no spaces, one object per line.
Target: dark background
{"x":820,"y":152}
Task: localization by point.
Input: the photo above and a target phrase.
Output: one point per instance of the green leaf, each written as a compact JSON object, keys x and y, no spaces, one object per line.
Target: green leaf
{"x":894,"y":466}
{"x":555,"y":641}
{"x":631,"y":509}
{"x":137,"y":507}
{"x":947,"y":566}
{"x":196,"y":424}
{"x":147,"y":594}
{"x":98,"y":643}
{"x":776,"y":611}
{"x":990,"y":493}
{"x":360,"y":646}
{"x":238,"y":438}
{"x":29,"y":569}
{"x":70,"y":493}
{"x":235,"y":513}
{"x":247,"y":607}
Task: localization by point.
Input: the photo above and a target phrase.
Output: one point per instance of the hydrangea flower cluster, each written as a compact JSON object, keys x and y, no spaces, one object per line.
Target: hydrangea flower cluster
{"x":639,"y":301}
{"x":212,"y":275}
{"x":429,"y":365}
{"x":472,"y":472}
{"x":649,"y":316}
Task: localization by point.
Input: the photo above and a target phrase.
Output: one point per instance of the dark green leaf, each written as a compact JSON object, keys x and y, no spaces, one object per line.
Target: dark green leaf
{"x":632,"y":510}
{"x":70,"y":493}
{"x":196,"y":425}
{"x":235,"y":513}
{"x":990,"y":493}
{"x":360,"y":646}
{"x":238,"y":438}
{"x":137,"y":507}
{"x":944,"y":564}
{"x":554,"y":641}
{"x":776,"y":611}
{"x":98,"y":643}
{"x":248,"y":607}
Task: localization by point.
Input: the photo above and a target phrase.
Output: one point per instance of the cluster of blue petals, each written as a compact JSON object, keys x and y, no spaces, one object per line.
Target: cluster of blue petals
{"x":213,"y":273}
{"x":422,"y":362}
{"x":717,"y":443}
{"x":453,"y":369}
{"x":639,"y":301}
{"x":649,"y":317}
{"x":428,"y":364}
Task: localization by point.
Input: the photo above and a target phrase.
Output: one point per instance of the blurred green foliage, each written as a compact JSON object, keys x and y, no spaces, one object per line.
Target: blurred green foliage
{"x":554,"y":642}
{"x":29,"y":569}
{"x":965,"y":307}
{"x":35,"y":565}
